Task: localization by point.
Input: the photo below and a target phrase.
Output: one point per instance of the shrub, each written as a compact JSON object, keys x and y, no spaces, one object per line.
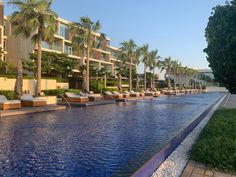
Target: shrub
{"x":9,"y":94}
{"x":56,"y":92}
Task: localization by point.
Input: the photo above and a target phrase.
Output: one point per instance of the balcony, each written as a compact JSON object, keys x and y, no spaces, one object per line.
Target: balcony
{"x":64,"y":31}
{"x":54,"y":46}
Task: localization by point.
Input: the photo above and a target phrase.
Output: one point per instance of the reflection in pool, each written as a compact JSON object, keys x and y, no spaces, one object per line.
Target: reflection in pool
{"x":109,"y":140}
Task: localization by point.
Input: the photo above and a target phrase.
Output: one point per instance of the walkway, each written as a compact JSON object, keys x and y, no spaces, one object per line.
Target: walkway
{"x":194,"y":169}
{"x":229,"y":102}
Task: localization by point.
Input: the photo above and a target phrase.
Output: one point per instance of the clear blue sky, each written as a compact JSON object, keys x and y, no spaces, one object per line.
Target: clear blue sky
{"x":175,"y":28}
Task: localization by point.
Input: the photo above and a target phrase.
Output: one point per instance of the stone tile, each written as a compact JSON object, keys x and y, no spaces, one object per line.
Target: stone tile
{"x":219,"y":174}
{"x":199,"y":169}
{"x":208,"y":172}
{"x":197,"y":175}
{"x":188,"y":169}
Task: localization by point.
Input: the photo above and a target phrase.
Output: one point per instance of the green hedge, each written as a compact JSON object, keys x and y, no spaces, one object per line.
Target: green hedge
{"x":8,"y":93}
{"x":56,"y":92}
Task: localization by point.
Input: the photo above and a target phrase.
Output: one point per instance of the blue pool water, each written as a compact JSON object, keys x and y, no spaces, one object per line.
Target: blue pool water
{"x":109,"y":140}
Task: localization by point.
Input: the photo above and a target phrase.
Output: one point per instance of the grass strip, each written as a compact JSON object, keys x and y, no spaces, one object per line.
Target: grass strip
{"x":216,"y":145}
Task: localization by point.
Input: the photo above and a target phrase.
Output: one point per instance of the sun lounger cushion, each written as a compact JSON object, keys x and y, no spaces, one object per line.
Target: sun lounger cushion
{"x":108,"y":93}
{"x":28,"y":97}
{"x":4,"y":100}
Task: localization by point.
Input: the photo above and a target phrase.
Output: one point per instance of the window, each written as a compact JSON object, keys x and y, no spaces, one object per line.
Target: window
{"x":5,"y":45}
{"x":64,"y":31}
{"x":68,"y":50}
{"x":45,"y":45}
{"x":103,"y":56}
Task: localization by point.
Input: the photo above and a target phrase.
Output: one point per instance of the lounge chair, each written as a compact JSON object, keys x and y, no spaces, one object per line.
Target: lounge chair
{"x":109,"y":95}
{"x":9,"y":104}
{"x":72,"y":97}
{"x":141,"y":94}
{"x":156,"y":93}
{"x":125,"y":95}
{"x":134,"y":94}
{"x":28,"y":100}
{"x":92,"y":97}
{"x":148,"y":93}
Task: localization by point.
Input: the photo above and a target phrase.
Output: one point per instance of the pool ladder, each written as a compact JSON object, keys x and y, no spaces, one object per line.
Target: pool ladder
{"x":65,"y":100}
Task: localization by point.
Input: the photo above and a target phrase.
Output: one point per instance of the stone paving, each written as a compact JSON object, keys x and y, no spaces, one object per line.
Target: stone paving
{"x":229,"y":102}
{"x":194,"y":169}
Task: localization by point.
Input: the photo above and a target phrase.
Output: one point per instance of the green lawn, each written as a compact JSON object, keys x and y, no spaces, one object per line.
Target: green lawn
{"x":216,"y":145}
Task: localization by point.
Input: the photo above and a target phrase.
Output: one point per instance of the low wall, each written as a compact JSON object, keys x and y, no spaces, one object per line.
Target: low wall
{"x":216,"y":89}
{"x":30,"y":84}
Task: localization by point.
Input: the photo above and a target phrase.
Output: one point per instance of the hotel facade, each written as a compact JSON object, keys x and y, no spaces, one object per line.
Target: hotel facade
{"x":15,"y":48}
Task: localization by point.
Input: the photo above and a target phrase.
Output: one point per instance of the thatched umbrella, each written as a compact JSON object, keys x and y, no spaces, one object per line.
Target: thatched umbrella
{"x":19,"y":80}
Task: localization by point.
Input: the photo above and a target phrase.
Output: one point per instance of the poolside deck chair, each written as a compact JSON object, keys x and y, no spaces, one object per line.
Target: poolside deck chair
{"x":109,"y":95}
{"x":28,"y":100}
{"x":156,"y":93}
{"x":92,"y":97}
{"x":125,"y":95}
{"x":148,"y":93}
{"x":72,"y":97}
{"x":134,"y":94}
{"x":142,"y":94}
{"x":6,"y":104}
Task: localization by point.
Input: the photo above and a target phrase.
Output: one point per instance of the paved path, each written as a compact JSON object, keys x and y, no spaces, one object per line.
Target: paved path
{"x":229,"y":102}
{"x":193,"y":169}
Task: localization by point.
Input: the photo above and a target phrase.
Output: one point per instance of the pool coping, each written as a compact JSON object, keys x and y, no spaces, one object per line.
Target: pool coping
{"x":30,"y":110}
{"x":150,"y":167}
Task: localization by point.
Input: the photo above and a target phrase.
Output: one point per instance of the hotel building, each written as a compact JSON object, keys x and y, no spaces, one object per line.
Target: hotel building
{"x":3,"y":37}
{"x":16,"y":48}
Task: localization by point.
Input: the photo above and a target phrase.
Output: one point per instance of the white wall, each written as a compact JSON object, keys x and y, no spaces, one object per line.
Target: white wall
{"x":30,"y":84}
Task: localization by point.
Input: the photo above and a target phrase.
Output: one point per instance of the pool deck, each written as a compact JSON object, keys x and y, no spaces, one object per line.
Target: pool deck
{"x":134,"y":99}
{"x":194,"y":169}
{"x":30,"y":110}
{"x":94,"y":103}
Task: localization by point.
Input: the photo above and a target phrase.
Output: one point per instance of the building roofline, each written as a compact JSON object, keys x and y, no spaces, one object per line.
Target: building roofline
{"x":69,"y":22}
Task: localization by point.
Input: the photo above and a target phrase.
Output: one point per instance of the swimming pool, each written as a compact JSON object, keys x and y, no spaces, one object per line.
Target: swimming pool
{"x":108,"y":140}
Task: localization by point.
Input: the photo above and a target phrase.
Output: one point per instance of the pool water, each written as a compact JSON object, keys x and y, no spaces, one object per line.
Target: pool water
{"x":108,"y":140}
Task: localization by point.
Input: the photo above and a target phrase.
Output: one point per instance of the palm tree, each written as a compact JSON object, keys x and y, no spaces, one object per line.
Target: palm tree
{"x":120,"y":69}
{"x":103,"y":73}
{"x":166,"y":65}
{"x":174,"y":71}
{"x":35,"y":18}
{"x":128,"y":54}
{"x":154,"y":62}
{"x":83,"y":38}
{"x":145,"y":53}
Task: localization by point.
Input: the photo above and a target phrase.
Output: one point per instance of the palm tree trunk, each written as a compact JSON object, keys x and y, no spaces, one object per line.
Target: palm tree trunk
{"x":105,"y":81}
{"x":87,"y":70}
{"x":39,"y":71}
{"x":153,"y":79}
{"x":119,"y":82}
{"x":145,"y":77}
{"x":175,"y":81}
{"x":130,"y":75}
{"x":84,"y":72}
{"x":168,"y":79}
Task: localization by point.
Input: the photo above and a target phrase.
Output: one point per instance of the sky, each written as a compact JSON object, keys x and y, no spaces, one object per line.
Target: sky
{"x":175,"y":27}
